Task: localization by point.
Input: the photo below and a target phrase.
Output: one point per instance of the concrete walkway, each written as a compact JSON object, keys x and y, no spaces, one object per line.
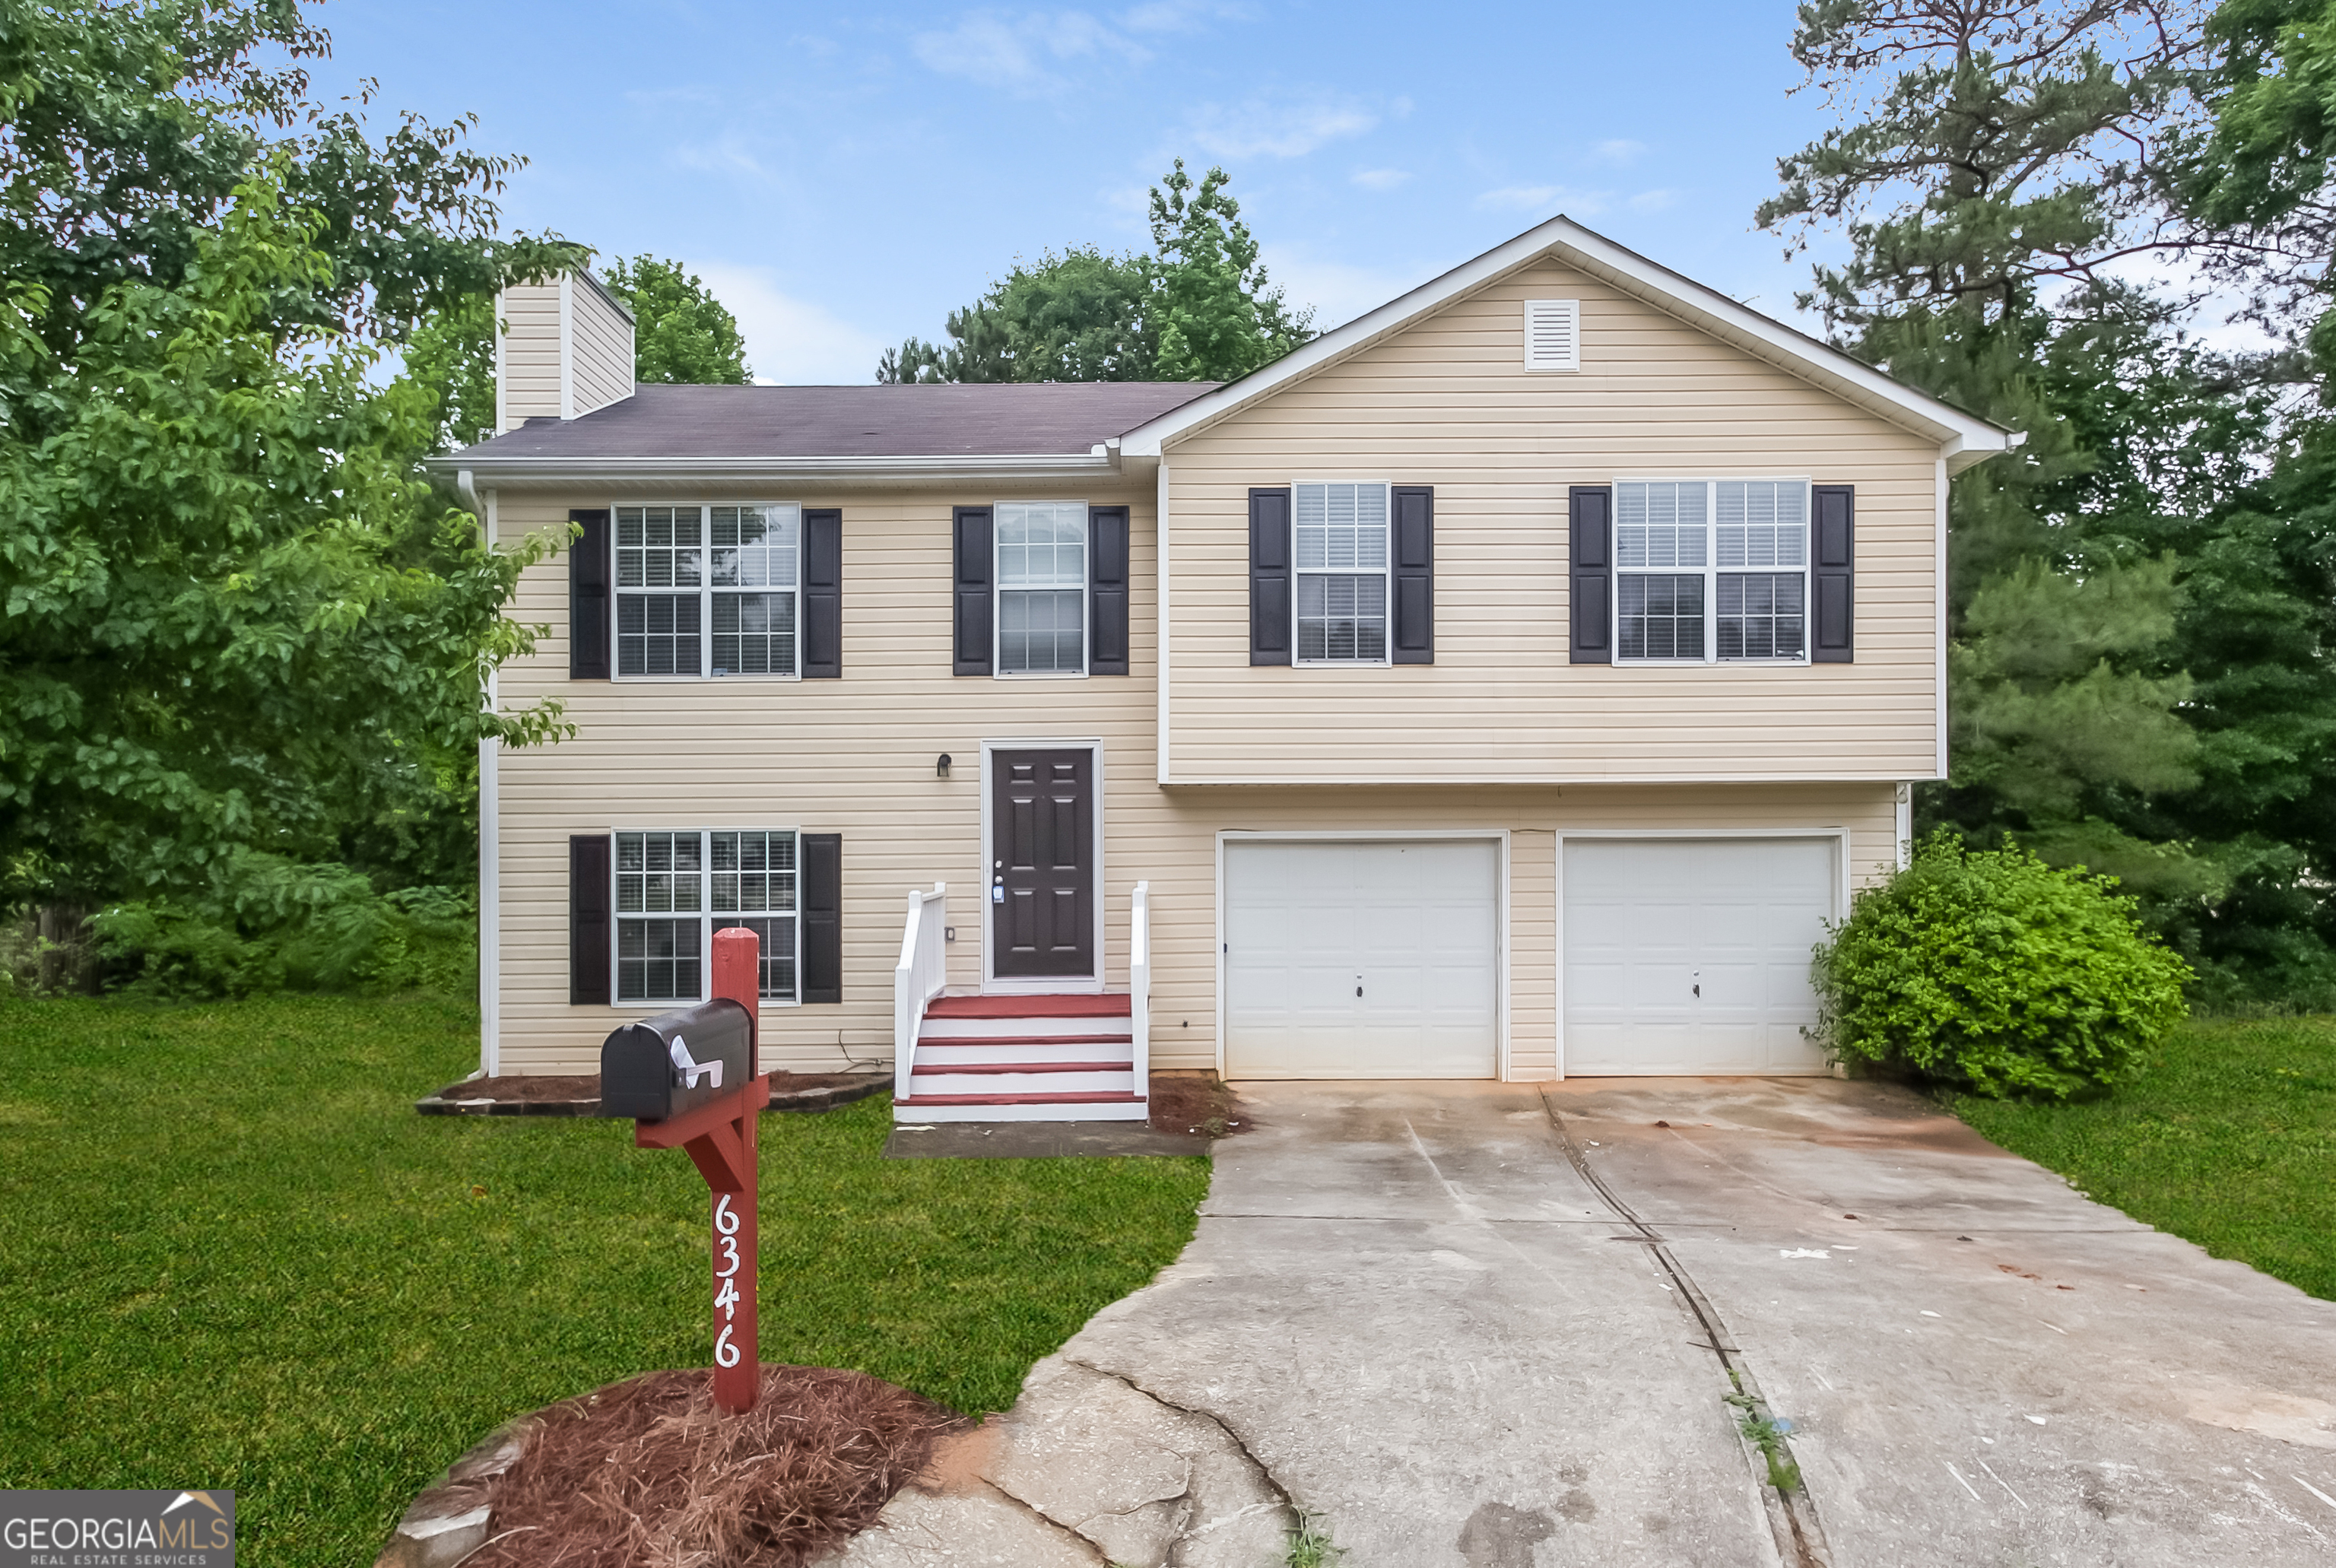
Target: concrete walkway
{"x":1473,"y":1324}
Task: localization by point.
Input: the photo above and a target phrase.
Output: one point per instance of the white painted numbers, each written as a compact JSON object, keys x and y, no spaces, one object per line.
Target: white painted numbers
{"x":725,"y":1238}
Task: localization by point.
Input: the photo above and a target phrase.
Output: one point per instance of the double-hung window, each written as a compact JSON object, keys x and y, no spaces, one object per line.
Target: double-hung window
{"x":1042,"y":587}
{"x":675,"y":889}
{"x":1341,"y":537}
{"x":1708,"y":570}
{"x":707,"y":590}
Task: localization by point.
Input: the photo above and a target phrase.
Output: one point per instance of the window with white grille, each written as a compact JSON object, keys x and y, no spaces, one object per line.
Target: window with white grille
{"x":1042,"y":587}
{"x":707,"y":590}
{"x":1340,"y":537}
{"x":1553,"y":334}
{"x":1711,"y":570}
{"x":675,"y":889}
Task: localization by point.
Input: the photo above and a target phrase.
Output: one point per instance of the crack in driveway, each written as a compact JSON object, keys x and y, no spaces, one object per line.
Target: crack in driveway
{"x":1792,"y":1515}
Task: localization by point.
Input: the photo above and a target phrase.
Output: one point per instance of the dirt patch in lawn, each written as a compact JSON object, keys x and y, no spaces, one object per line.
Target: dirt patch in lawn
{"x":649,"y":1471}
{"x":1185,"y":1101}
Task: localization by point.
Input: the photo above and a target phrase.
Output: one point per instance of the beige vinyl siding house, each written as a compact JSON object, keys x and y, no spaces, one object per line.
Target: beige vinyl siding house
{"x":1502,"y":857}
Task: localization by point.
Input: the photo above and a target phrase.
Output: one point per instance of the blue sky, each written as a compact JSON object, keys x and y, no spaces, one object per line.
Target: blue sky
{"x":844,"y":176}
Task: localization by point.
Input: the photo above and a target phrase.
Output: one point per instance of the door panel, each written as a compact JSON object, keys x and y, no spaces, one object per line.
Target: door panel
{"x":1042,"y":864}
{"x":1362,"y":960}
{"x":1692,"y":955}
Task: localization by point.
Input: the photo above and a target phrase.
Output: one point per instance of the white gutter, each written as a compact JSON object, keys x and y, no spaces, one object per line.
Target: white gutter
{"x":490,"y":899}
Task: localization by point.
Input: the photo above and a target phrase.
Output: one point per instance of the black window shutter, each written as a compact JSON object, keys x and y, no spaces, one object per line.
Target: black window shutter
{"x":823,"y":595}
{"x":823,"y":917}
{"x":1591,"y":562}
{"x":1414,"y":575}
{"x":1268,"y":576}
{"x":588,"y":598}
{"x":974,"y":567}
{"x":1833,"y":628}
{"x":587,"y":918}
{"x":1107,"y":589}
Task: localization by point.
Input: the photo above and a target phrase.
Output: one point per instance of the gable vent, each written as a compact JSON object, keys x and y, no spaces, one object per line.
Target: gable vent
{"x":1553,"y":334}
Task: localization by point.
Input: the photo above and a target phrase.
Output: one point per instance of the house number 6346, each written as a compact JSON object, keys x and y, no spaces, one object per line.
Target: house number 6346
{"x":725,"y":1238}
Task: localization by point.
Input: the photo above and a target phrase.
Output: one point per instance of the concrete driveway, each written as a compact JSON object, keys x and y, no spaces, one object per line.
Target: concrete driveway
{"x":1500,"y":1326}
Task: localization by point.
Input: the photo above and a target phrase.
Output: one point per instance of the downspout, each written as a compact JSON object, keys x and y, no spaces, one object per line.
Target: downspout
{"x":490,"y":825}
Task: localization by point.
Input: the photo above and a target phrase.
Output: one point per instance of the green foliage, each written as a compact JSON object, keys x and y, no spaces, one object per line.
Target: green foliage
{"x":1081,"y":316}
{"x":1199,"y":308}
{"x":2223,"y":1134}
{"x":311,"y":927}
{"x":682,"y":335}
{"x":1990,"y":971}
{"x":316,"y":1297}
{"x":238,"y":618}
{"x":451,"y":356}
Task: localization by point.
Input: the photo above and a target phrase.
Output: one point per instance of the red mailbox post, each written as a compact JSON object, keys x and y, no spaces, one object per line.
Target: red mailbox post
{"x":720,"y":1138}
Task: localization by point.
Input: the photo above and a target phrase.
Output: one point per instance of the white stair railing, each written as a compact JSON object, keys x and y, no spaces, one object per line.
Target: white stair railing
{"x":919,"y":976}
{"x":1139,"y":987}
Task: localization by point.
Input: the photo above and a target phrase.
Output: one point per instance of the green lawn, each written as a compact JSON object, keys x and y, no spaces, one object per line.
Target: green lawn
{"x":232,"y":1255}
{"x":2226,"y":1137}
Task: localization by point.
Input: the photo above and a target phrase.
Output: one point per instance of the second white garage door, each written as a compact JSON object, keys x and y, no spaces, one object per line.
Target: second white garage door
{"x":1362,"y":960}
{"x":1692,"y":955}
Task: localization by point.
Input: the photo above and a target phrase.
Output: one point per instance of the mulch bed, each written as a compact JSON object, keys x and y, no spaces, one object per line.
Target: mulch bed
{"x":649,"y":1471}
{"x":1188,"y":1101}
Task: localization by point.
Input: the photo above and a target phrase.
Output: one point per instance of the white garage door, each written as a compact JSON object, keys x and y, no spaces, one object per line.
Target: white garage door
{"x":1362,"y":960}
{"x":1692,"y":955}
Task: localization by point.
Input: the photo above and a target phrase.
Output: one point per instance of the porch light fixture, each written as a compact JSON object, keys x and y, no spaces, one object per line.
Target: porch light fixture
{"x":940,"y":765}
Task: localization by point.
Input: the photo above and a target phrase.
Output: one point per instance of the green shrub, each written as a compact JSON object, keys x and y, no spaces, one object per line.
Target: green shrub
{"x":1993,"y":972}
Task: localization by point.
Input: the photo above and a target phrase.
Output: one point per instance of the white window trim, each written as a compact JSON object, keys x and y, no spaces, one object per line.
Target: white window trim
{"x":643,"y":1008}
{"x":997,"y":670}
{"x":704,"y":596}
{"x":1711,"y":572}
{"x":1386,"y":580}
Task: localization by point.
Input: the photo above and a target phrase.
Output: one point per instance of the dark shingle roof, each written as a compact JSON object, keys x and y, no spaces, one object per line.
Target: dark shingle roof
{"x":998,"y":419}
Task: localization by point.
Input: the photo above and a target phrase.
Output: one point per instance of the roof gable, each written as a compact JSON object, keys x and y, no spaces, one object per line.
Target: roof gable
{"x":1963,"y":439}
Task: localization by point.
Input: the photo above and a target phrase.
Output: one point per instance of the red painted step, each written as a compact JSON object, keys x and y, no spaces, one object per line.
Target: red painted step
{"x":1098,"y":1006}
{"x":1026,"y":1040}
{"x":938,"y":1068}
{"x":1086,"y":1097}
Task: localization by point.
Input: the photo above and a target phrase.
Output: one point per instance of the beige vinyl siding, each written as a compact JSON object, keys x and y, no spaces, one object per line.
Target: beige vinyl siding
{"x":1447,"y":402}
{"x":855,"y":756}
{"x":530,"y":356}
{"x":600,"y":366}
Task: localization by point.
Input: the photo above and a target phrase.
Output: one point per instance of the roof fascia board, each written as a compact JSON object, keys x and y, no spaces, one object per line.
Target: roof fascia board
{"x":1971,"y":438}
{"x":857,"y":471}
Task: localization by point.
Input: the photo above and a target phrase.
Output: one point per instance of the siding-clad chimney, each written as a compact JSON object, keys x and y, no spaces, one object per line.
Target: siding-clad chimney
{"x":565,"y":349}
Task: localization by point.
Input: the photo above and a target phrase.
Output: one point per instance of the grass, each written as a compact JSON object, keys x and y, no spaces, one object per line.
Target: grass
{"x":2226,"y":1137}
{"x":232,"y":1255}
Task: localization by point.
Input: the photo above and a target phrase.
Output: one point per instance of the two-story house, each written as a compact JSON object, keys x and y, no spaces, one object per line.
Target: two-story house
{"x":1509,"y":684}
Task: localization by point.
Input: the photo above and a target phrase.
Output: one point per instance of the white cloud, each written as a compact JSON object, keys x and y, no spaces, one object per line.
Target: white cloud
{"x":725,"y":155}
{"x":1018,"y":51}
{"x":1618,"y":150}
{"x":1178,"y":15}
{"x":789,"y":340}
{"x":1653,"y":200}
{"x":1266,"y":128}
{"x":1381,"y":178}
{"x":1337,"y":290}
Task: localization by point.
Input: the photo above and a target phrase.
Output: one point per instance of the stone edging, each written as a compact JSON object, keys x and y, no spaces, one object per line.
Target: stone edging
{"x":449,"y":1522}
{"x":447,"y":1101}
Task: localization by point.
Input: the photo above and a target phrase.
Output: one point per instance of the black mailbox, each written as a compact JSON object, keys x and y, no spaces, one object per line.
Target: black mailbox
{"x":660,"y":1067}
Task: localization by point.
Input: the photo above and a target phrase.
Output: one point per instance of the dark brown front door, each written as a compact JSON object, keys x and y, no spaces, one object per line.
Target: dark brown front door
{"x":1042,"y":864}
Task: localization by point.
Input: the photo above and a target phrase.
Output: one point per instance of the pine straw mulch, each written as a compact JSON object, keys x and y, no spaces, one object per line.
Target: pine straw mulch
{"x":648,"y":1472}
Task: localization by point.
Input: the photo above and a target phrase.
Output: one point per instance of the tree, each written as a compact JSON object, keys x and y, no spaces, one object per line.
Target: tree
{"x":1199,"y":308}
{"x":682,"y":335}
{"x":450,"y":356}
{"x":1081,"y":316}
{"x":1218,"y":319}
{"x":242,"y":630}
{"x":2135,"y":675}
